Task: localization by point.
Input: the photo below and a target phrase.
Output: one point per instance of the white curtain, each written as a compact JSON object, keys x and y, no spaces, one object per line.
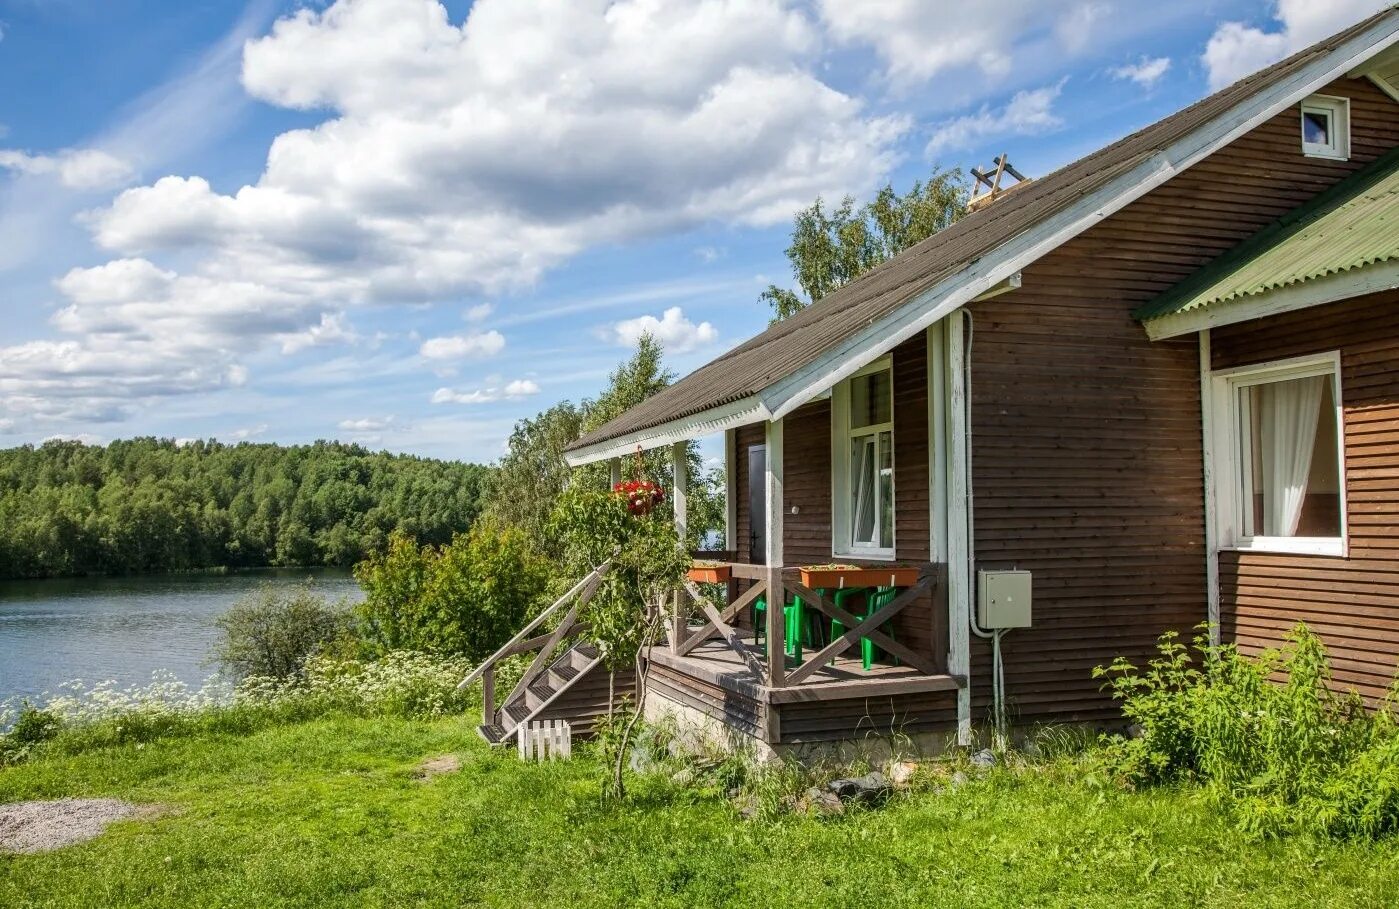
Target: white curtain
{"x":1288,"y":417}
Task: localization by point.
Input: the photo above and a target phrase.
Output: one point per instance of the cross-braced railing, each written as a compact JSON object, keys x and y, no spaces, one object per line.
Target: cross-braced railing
{"x":722,"y":623}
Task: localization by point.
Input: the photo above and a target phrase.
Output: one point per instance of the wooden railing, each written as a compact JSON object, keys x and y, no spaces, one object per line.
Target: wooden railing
{"x":722,"y":622}
{"x":546,"y":643}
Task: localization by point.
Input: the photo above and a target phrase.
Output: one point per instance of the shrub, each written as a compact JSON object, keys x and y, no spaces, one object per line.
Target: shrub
{"x":273,"y":632}
{"x":465,"y":598}
{"x":31,"y":727}
{"x":1267,"y":736}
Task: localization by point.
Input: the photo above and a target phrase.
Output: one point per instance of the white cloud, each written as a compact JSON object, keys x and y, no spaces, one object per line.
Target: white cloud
{"x":1237,"y":49}
{"x":918,"y":39}
{"x":479,"y":313}
{"x":83,"y":438}
{"x":1146,"y":73}
{"x":519,"y":388}
{"x":457,"y":347}
{"x":248,"y":432}
{"x":75,"y":168}
{"x":673,"y":330}
{"x":367,"y":424}
{"x":465,"y":158}
{"x":7,"y":426}
{"x":333,"y":328}
{"x":1028,"y":113}
{"x":709,"y":254}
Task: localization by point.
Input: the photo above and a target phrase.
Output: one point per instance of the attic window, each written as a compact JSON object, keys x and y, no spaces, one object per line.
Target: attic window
{"x":1326,"y":127}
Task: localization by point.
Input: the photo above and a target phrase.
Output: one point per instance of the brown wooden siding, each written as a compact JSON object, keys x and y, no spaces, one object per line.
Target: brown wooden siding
{"x":888,"y":717}
{"x":1352,"y":602}
{"x":586,"y":700}
{"x":1086,"y":436}
{"x":734,"y":710}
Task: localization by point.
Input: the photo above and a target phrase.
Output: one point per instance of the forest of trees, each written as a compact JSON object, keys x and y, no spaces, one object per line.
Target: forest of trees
{"x":148,"y":505}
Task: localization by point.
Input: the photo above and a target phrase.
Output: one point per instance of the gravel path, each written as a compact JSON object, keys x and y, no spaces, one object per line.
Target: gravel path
{"x":40,"y":826}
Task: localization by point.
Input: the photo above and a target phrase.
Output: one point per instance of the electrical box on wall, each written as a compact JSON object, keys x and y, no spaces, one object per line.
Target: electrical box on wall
{"x":1003,"y":599}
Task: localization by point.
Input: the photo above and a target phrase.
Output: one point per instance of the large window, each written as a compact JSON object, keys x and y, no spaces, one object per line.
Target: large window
{"x":863,"y":468}
{"x":1279,"y":462}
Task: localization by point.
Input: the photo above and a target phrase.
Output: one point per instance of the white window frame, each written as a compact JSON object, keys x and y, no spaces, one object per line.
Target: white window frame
{"x":1230,"y":469}
{"x":842,"y":542}
{"x":1338,"y":110}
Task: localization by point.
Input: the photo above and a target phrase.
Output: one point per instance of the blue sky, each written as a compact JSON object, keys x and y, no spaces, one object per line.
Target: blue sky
{"x":409,"y":224}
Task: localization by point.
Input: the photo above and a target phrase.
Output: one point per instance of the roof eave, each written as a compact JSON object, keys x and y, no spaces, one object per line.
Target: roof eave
{"x":742,"y":412}
{"x":1353,"y":282}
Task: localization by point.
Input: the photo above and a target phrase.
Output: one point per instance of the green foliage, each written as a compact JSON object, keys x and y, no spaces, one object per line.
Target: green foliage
{"x":1282,"y":757}
{"x":147,"y":505}
{"x":32,"y":727}
{"x":532,"y":476}
{"x":274,"y":631}
{"x":649,"y":563}
{"x":831,"y":248}
{"x":466,"y":598}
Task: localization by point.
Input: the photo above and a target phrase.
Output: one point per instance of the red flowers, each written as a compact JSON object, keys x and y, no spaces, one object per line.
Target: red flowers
{"x":641,"y":495}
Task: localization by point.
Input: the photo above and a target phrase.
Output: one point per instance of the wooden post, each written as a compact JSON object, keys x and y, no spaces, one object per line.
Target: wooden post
{"x":730,"y":490}
{"x":680,"y":474}
{"x":1211,"y":500}
{"x":958,"y":546}
{"x":488,"y":697}
{"x":776,"y":596}
{"x":614,"y":471}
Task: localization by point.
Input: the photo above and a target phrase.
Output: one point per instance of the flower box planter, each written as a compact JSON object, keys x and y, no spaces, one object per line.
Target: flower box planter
{"x":710,"y":573}
{"x":837,"y":577}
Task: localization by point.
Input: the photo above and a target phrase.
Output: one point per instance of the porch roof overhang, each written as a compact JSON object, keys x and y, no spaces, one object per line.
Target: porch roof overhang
{"x":798,"y":359}
{"x":1341,"y":244}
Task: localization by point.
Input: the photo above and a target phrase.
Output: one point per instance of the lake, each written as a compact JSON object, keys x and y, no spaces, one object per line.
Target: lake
{"x":94,"y":629}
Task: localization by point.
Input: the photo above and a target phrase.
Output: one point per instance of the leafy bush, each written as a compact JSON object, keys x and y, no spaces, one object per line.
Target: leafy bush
{"x":31,"y":727}
{"x":465,"y":598}
{"x":1268,"y":737}
{"x":273,"y":632}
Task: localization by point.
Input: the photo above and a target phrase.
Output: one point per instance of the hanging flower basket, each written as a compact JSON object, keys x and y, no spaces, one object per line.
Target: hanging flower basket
{"x":641,"y":495}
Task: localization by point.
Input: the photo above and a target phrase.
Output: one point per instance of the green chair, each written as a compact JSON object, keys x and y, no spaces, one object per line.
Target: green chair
{"x":874,"y":601}
{"x":796,"y":630}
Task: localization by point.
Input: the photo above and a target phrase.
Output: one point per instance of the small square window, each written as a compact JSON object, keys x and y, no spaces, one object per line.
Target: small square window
{"x":1326,"y":127}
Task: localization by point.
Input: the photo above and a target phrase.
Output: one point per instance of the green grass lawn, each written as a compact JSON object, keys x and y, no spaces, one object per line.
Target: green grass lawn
{"x":328,"y":813}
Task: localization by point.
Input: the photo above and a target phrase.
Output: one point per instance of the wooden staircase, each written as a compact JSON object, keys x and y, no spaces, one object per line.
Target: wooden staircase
{"x":527,"y":702}
{"x":564,"y":659}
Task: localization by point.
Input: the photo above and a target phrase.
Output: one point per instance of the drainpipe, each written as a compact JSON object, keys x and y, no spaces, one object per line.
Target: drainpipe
{"x":998,"y":682}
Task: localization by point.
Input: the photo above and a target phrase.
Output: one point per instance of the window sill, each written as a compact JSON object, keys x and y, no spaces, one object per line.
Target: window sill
{"x":866,"y":555}
{"x":1321,"y":546}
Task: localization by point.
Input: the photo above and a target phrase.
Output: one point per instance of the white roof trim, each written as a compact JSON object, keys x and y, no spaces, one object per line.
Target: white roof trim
{"x":1353,"y":282}
{"x":715,"y":419}
{"x":787,"y":394}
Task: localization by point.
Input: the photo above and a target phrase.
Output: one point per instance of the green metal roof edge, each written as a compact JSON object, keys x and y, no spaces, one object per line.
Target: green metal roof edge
{"x":1268,"y":238}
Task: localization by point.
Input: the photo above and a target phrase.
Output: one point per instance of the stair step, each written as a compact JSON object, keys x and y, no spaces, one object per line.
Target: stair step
{"x":583,"y":654}
{"x":537,"y":694}
{"x":493,"y":733}
{"x":515,"y":712}
{"x":561,"y":673}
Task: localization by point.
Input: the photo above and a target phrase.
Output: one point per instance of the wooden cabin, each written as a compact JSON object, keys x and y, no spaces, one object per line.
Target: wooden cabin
{"x":1155,"y":388}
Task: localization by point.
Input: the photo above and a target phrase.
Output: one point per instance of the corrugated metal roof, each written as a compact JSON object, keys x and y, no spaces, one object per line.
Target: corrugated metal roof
{"x":1351,"y":225}
{"x":789,"y":345}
